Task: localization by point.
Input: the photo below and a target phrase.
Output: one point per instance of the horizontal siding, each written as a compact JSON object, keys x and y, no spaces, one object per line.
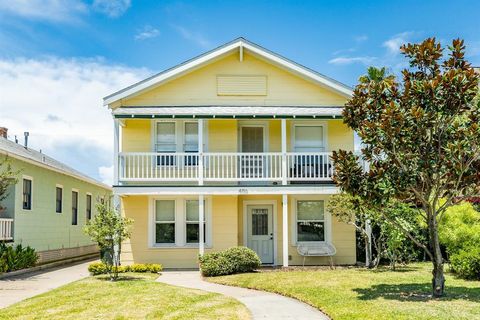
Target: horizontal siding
{"x":240,"y":85}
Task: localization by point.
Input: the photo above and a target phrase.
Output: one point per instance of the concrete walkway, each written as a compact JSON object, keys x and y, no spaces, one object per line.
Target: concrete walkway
{"x":262,"y":305}
{"x":24,"y":286}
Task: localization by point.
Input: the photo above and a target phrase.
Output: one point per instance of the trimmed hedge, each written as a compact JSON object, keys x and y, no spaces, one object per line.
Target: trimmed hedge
{"x":230,"y":261}
{"x":16,"y":257}
{"x":97,"y":268}
{"x":466,"y":263}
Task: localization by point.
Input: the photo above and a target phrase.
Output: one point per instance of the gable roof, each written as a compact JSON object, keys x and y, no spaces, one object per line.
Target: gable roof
{"x":237,"y":44}
{"x":17,"y":151}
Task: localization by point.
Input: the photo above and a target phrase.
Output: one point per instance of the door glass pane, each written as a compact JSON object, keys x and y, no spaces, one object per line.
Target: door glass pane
{"x":259,"y":222}
{"x":310,"y":231}
{"x":310,"y":210}
{"x":164,"y":210}
{"x":192,"y":210}
{"x":191,"y":137}
{"x":165,"y":233}
{"x":166,"y":137}
{"x":308,"y":138}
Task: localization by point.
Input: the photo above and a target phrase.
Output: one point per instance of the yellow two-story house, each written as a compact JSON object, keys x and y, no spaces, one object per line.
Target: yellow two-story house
{"x":231,"y":148}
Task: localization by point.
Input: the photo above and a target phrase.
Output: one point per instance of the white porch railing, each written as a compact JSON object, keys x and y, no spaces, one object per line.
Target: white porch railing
{"x":168,"y":167}
{"x":6,"y":229}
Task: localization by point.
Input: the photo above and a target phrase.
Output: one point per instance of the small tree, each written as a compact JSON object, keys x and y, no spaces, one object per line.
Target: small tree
{"x":422,"y":139}
{"x":7,"y":177}
{"x":108,"y":228}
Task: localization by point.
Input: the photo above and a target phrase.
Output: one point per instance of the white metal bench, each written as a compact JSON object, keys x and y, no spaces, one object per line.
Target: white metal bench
{"x":316,"y":249}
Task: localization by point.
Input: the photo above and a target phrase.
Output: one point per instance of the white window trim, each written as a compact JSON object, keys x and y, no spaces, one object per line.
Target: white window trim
{"x":63,"y":197}
{"x":327,"y":218}
{"x":255,"y":124}
{"x":310,"y":123}
{"x":31,"y":191}
{"x":180,"y":223}
{"x":179,"y":134}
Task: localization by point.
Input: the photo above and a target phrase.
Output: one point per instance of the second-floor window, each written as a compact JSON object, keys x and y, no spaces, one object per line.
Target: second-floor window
{"x":309,"y":138}
{"x":74,"y":208}
{"x":58,"y":199}
{"x":176,"y":136}
{"x":27,"y":194}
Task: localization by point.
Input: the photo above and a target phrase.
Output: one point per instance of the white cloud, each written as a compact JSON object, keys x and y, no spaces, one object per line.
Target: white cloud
{"x":106,"y":174}
{"x":51,"y":10}
{"x":59,"y":102}
{"x":393,"y":44}
{"x":366,"y":60}
{"x":194,"y":37}
{"x":361,"y":38}
{"x":147,"y":32}
{"x":112,"y":8}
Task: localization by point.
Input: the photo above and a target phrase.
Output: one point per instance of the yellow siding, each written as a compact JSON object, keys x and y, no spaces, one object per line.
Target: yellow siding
{"x":339,"y":136}
{"x":136,"y":136}
{"x":200,"y":87}
{"x":222,"y":135}
{"x":224,"y":226}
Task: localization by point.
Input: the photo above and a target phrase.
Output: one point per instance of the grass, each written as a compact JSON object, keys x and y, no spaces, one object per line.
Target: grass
{"x":355,"y":293}
{"x":134,"y":296}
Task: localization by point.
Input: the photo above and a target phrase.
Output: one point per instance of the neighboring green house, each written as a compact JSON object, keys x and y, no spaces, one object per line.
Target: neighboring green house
{"x":49,"y":205}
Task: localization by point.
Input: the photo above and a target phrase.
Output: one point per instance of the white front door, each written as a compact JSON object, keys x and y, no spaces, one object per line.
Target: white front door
{"x":260,"y":231}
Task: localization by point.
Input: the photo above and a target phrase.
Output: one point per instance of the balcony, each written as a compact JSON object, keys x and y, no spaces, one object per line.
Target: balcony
{"x":6,"y":229}
{"x":283,"y":168}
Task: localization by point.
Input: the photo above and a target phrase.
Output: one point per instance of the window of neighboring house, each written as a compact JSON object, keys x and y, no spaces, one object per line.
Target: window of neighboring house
{"x":74,"y":208}
{"x":309,"y":138}
{"x":27,"y":194}
{"x":59,"y":199}
{"x":310,"y":221}
{"x":193,"y":222}
{"x":165,"y":221}
{"x":89,"y":207}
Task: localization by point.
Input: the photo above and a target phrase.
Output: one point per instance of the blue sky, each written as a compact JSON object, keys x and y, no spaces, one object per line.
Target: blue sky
{"x":68,"y":54}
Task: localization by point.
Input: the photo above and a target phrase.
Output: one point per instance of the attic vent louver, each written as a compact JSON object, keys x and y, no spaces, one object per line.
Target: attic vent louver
{"x":242,"y":85}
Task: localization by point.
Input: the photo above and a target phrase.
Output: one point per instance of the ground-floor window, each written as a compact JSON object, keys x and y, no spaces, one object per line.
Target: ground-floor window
{"x":176,"y":222}
{"x":310,"y":220}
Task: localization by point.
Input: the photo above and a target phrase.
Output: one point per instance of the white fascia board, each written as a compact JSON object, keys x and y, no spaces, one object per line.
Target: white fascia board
{"x":216,"y":190}
{"x":156,"y":80}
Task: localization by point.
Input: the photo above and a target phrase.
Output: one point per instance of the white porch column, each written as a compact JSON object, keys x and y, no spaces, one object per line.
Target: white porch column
{"x":201,"y":219}
{"x":116,"y":144}
{"x":285,"y":229}
{"x":284,"y":151}
{"x":200,"y":152}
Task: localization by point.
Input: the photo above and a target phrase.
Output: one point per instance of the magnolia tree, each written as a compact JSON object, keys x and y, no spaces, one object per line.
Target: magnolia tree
{"x":7,"y":177}
{"x":108,"y":228}
{"x":421,"y":136}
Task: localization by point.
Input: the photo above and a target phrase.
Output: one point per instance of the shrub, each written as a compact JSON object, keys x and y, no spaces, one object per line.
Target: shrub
{"x":97,"y":268}
{"x":466,"y":263}
{"x":16,"y":257}
{"x":230,"y":261}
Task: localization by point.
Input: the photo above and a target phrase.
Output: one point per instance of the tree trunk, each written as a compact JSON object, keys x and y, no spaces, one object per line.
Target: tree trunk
{"x":368,"y":253}
{"x":438,"y":280}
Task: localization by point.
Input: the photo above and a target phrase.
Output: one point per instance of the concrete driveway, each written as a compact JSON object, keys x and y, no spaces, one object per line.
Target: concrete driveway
{"x":21,"y":287}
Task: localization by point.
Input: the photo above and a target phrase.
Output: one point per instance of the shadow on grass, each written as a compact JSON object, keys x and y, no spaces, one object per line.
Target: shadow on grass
{"x":120,"y":278}
{"x":416,"y":292}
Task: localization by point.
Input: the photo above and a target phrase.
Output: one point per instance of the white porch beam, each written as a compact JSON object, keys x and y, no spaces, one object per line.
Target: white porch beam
{"x":284,"y":151}
{"x":200,"y":152}
{"x":116,"y":146}
{"x":201,"y":220}
{"x":285,"y":229}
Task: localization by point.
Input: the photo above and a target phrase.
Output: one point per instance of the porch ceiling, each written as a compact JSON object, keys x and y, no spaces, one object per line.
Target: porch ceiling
{"x":322,"y":112}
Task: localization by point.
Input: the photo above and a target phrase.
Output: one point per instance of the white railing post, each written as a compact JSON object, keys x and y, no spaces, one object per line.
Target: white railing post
{"x":284,"y":151}
{"x":200,"y":152}
{"x":201,"y":223}
{"x":285,"y":229}
{"x":116,"y":138}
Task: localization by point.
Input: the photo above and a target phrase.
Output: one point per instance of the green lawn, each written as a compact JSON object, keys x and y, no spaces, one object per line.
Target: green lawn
{"x":137,"y":296}
{"x":355,"y":293}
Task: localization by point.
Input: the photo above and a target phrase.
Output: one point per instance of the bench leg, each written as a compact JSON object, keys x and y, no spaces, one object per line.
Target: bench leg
{"x":304,"y":261}
{"x":331,"y":262}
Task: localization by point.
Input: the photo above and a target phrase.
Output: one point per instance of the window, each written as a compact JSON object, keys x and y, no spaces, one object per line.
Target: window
{"x":309,"y":138}
{"x":193,"y":221}
{"x":74,"y":208}
{"x":310,"y":221}
{"x":191,"y":142}
{"x":164,"y":221}
{"x":89,"y":206}
{"x":58,"y":200}
{"x":27,"y":194}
